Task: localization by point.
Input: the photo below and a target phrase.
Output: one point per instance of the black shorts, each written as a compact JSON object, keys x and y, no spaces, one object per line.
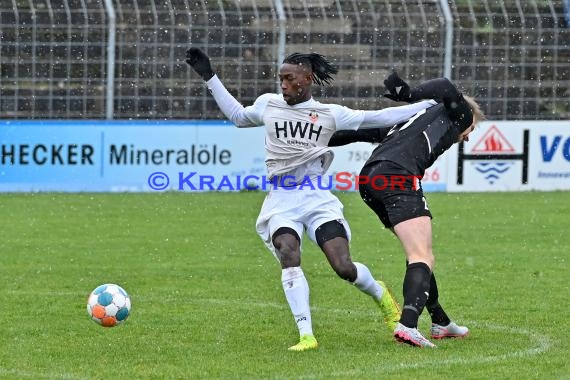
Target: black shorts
{"x":392,"y":203}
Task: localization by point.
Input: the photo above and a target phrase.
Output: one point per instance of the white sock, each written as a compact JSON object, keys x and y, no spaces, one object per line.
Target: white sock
{"x":297,"y":293}
{"x":366,"y":283}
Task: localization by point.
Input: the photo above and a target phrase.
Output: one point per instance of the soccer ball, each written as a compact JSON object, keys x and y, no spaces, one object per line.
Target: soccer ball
{"x":109,"y":305}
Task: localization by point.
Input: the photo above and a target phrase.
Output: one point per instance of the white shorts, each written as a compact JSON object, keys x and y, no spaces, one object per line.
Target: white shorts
{"x":301,"y":210}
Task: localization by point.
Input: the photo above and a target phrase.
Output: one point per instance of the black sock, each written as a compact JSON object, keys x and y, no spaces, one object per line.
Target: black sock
{"x":433,"y":307}
{"x":416,"y":291}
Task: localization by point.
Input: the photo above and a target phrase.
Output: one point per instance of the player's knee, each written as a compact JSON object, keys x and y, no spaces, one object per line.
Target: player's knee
{"x":287,"y":244}
{"x":289,"y":255}
{"x":287,"y":249}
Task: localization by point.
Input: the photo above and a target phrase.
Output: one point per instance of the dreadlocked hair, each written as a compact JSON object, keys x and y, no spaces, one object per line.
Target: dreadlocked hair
{"x":321,"y":68}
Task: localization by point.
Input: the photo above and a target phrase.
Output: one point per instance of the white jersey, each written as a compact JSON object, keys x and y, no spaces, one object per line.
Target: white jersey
{"x":297,"y":136}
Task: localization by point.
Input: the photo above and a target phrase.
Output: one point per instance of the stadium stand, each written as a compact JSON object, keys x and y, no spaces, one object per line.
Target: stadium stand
{"x":513,"y":55}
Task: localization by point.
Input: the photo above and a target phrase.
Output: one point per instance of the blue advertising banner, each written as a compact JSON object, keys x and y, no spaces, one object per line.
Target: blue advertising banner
{"x":73,"y":156}
{"x":158,"y":155}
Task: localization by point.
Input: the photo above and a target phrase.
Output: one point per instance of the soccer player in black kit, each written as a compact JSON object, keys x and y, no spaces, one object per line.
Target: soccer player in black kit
{"x":407,"y":150}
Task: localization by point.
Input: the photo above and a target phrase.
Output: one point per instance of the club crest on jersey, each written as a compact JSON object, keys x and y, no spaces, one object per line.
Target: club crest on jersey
{"x":314,"y":116}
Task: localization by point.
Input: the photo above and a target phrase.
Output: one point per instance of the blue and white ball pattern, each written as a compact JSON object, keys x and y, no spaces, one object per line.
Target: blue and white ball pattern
{"x":109,"y":305}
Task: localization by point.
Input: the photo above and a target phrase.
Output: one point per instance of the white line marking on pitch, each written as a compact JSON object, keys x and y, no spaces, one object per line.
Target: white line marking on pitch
{"x":37,"y":375}
{"x":541,"y":343}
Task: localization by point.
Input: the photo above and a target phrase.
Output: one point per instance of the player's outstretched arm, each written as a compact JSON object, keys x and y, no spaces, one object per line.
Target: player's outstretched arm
{"x":388,"y":117}
{"x":440,"y":89}
{"x":348,"y":136}
{"x":232,"y":109}
{"x":443,"y":91}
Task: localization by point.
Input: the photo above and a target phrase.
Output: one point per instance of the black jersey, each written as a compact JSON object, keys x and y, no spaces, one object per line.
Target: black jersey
{"x":417,"y":143}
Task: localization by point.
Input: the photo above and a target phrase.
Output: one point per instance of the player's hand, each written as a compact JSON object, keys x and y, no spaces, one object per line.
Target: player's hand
{"x":398,"y":90}
{"x":200,"y":62}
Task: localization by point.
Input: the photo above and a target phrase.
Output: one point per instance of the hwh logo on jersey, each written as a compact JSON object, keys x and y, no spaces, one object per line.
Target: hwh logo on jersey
{"x":298,"y":129}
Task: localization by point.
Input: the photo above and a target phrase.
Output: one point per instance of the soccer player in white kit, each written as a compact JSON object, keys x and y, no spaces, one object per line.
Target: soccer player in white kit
{"x":298,"y":129}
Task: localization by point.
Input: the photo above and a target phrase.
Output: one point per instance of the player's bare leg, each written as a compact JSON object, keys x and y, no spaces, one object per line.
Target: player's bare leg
{"x":416,"y":238}
{"x":333,"y":241}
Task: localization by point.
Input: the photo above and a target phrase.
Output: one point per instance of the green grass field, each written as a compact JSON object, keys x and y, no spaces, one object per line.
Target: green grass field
{"x":208,"y":303}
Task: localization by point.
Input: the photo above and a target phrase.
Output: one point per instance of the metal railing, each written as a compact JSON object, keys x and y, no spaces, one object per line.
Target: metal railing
{"x":124,"y":59}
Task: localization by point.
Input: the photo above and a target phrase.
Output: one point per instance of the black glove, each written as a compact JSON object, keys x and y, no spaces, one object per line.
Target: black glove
{"x":200,"y":62}
{"x":398,"y":90}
